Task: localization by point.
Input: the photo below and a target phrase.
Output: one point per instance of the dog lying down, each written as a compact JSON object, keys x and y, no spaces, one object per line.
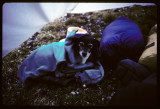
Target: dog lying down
{"x":75,"y":58}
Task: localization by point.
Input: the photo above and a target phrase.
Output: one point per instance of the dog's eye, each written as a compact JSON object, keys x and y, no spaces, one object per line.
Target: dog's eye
{"x":90,"y":45}
{"x":81,"y":44}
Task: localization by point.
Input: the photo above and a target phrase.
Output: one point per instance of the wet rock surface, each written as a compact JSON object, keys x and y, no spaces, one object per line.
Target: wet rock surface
{"x":100,"y":94}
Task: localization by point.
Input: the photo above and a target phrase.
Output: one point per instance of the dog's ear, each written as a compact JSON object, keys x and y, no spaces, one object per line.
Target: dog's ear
{"x":97,"y":47}
{"x":95,"y":50}
{"x":96,"y":43}
{"x":76,"y":39}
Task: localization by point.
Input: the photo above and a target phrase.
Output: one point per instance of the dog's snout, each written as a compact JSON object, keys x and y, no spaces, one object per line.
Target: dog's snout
{"x":84,"y":54}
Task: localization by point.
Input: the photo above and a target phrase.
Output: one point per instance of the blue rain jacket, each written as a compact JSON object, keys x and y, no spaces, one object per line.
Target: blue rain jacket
{"x":49,"y":58}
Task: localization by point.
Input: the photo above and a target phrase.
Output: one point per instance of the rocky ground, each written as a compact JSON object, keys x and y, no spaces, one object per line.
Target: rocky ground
{"x":100,"y":94}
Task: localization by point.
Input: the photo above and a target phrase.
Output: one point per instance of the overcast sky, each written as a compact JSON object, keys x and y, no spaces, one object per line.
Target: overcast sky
{"x":87,"y":7}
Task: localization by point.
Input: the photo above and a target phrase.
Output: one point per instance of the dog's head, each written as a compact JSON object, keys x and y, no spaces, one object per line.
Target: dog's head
{"x":87,"y":47}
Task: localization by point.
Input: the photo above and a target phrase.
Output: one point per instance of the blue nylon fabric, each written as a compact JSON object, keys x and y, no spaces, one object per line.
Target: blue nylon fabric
{"x":91,"y":76}
{"x":121,"y":39}
{"x":45,"y":60}
{"x":42,"y":60}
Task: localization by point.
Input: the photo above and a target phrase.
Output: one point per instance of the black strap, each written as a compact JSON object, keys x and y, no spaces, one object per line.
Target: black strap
{"x":150,"y":45}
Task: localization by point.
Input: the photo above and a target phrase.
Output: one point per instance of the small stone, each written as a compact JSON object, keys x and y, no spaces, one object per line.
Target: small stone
{"x":102,"y":99}
{"x":98,"y":21}
{"x":73,"y":93}
{"x":109,"y":97}
{"x":112,"y":93}
{"x":84,"y":85}
{"x":86,"y":89}
{"x":29,"y":42}
{"x":10,"y":69}
{"x":92,"y":33}
{"x":88,"y":17}
{"x":77,"y":92}
{"x":90,"y":24}
{"x":38,"y":90}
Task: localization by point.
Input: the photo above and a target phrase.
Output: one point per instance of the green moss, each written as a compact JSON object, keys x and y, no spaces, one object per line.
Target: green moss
{"x":53,"y":25}
{"x":75,"y":21}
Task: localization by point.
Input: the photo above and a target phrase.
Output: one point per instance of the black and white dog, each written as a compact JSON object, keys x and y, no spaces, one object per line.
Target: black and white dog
{"x":86,"y":47}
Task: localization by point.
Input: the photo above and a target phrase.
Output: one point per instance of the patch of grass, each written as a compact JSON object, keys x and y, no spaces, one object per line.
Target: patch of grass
{"x":75,"y":21}
{"x":54,"y":26}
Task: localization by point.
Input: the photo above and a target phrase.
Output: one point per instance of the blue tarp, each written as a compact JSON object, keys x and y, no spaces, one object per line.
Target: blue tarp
{"x":120,"y":40}
{"x":49,"y":58}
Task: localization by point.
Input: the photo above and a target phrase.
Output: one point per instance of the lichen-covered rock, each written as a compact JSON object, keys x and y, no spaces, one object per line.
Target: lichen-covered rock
{"x":149,"y":55}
